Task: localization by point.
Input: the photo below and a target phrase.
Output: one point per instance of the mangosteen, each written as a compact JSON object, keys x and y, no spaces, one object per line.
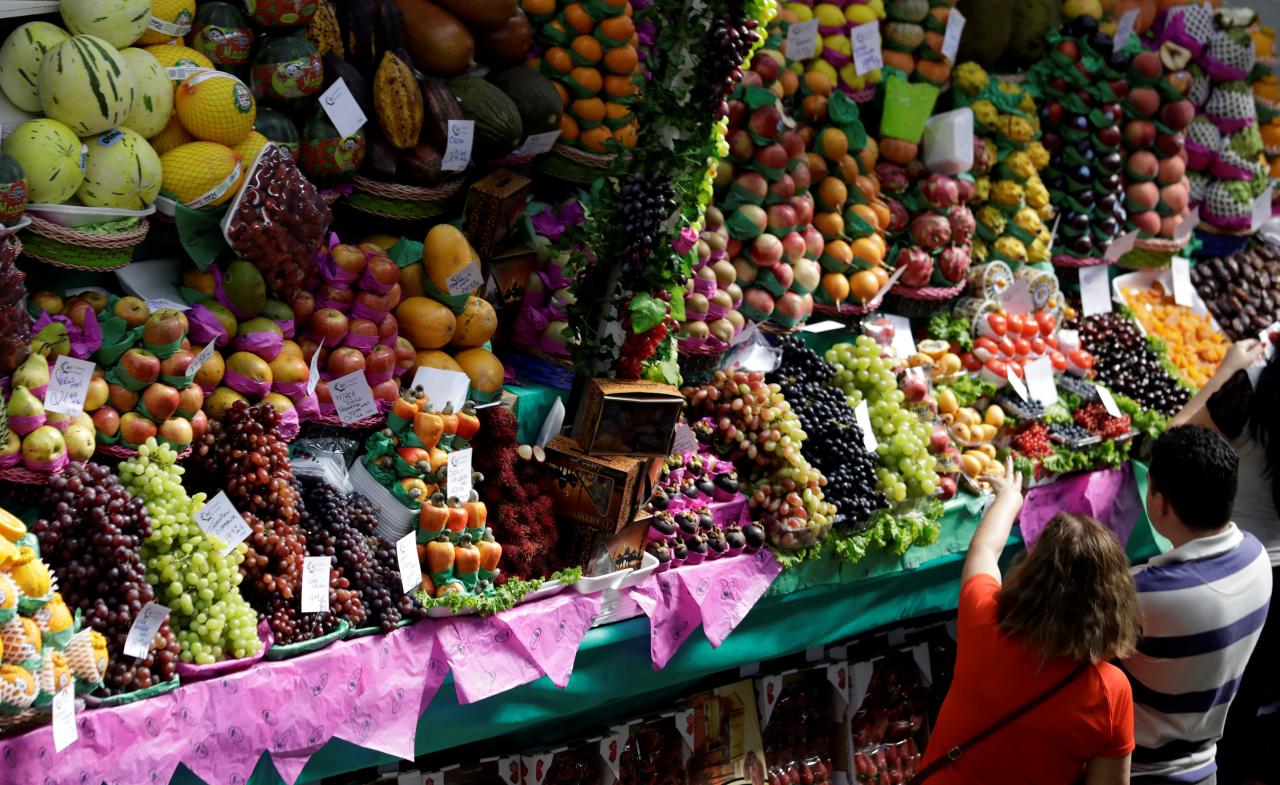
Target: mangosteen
{"x":1108,"y":226}
{"x":689,"y":489}
{"x":659,"y":551}
{"x":697,"y":544}
{"x":753,"y":533}
{"x":687,"y":521}
{"x":1109,"y":182}
{"x":705,"y":522}
{"x":679,"y":550}
{"x":1081,"y":174}
{"x":716,"y":541}
{"x":1108,"y":203}
{"x":1077,"y":222}
{"x":694,"y":466}
{"x":660,"y":500}
{"x":664,"y":523}
{"x":705,"y":486}
{"x":727,"y":482}
{"x":734,"y":536}
{"x":1111,"y":162}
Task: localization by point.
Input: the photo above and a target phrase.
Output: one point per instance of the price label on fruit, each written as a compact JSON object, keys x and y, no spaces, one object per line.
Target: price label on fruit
{"x":867,"y":54}
{"x":442,"y":387}
{"x":352,"y":397}
{"x":68,"y":386}
{"x":182,"y":73}
{"x":863,"y":417}
{"x":315,"y":584}
{"x":407,"y":561}
{"x":1124,"y":29}
{"x":459,"y":482}
{"x":144,"y":629}
{"x":201,"y":359}
{"x":220,"y":519}
{"x":313,"y":375}
{"x":802,"y":40}
{"x":342,"y":109}
{"x":457,"y":151}
{"x":537,"y":144}
{"x":1040,"y":381}
{"x":1108,"y":400}
{"x":65,"y":732}
{"x":1261,"y":209}
{"x":951,"y":37}
{"x":466,"y":280}
{"x":1180,"y":269}
{"x":1095,"y":290}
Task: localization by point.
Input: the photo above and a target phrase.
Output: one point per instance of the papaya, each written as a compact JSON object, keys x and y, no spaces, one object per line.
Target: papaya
{"x":482,"y":14}
{"x":508,"y":44}
{"x":439,"y":43}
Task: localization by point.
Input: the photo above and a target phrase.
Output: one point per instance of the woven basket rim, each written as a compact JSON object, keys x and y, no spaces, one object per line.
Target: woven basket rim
{"x":1063,"y":260}
{"x":408,"y":193}
{"x":849,"y":310}
{"x":114,"y":241}
{"x":24,"y":476}
{"x":125,"y":453}
{"x":700,"y":351}
{"x":1161,"y":245}
{"x":336,"y":422}
{"x":927,"y":293}
{"x":594,"y":160}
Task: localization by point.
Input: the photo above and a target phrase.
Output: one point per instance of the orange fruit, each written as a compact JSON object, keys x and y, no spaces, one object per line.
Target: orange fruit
{"x":833,"y":143}
{"x":882,"y":214}
{"x":563,"y":93}
{"x":621,"y":59}
{"x":867,"y":251}
{"x":864,"y":285}
{"x":538,"y":7}
{"x":576,"y":17}
{"x":626,"y":135}
{"x":817,"y":166}
{"x":868,"y":185}
{"x":818,"y":83}
{"x":881,"y":274}
{"x":867,"y":214}
{"x":790,"y":82}
{"x":558,"y":59}
{"x":832,"y":193}
{"x":849,"y":168}
{"x":829,"y":225}
{"x":587,"y":48}
{"x":588,"y":110}
{"x":616,"y":113}
{"x":619,"y":86}
{"x":568,"y":128}
{"x":878,"y":239}
{"x":589,"y":78}
{"x":618,"y":28}
{"x":836,"y":286}
{"x":555,"y":30}
{"x":595,"y":139}
{"x":840,"y":251}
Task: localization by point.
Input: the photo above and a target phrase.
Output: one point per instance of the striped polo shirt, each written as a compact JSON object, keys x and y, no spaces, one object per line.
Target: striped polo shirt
{"x":1203,"y":605}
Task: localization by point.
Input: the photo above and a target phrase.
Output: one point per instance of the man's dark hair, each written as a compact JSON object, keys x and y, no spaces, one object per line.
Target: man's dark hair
{"x":1195,"y":469}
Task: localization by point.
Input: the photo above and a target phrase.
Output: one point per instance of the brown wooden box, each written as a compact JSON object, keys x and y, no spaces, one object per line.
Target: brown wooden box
{"x":618,"y":417}
{"x":494,"y":204}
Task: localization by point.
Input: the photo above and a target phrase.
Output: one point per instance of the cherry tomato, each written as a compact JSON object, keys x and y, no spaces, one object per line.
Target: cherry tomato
{"x":985,"y":349}
{"x":1006,"y":347}
{"x":970,"y":362}
{"x":1022,"y":347}
{"x":1038,"y":347}
{"x":994,"y":325}
{"x":1030,"y":329}
{"x":1058,"y":359}
{"x":1046,"y":321}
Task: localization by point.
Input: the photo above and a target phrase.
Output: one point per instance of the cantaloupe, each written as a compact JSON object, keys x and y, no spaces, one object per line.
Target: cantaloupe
{"x":50,"y":156}
{"x":20,"y":59}
{"x":202,"y":174}
{"x":483,"y":368}
{"x":153,"y":104}
{"x":425,"y":323}
{"x":118,"y":22}
{"x":216,"y":107}
{"x":121,"y":171}
{"x":85,"y":84}
{"x":476,"y":324}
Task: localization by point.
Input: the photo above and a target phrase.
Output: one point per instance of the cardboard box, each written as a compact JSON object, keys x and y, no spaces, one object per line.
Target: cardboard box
{"x":726,"y":736}
{"x":494,"y":204}
{"x":596,"y":502}
{"x":617,"y":417}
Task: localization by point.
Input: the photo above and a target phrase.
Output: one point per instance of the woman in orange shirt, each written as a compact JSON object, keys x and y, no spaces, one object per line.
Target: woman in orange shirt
{"x":1034,"y":700}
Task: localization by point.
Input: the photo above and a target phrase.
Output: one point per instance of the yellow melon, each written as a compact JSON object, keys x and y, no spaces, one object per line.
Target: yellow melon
{"x":250,"y":147}
{"x":483,"y":368}
{"x":216,"y":107}
{"x":173,"y":135}
{"x":176,"y":56}
{"x":425,"y":323}
{"x":201,"y":174}
{"x":476,"y":324}
{"x":437,"y":359}
{"x":170,"y":19}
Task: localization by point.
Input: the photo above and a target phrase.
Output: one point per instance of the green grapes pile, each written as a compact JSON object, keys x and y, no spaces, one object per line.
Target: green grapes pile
{"x":906,"y":468}
{"x":198,"y":584}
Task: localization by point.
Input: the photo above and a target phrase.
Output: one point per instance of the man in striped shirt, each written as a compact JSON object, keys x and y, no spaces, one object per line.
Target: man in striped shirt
{"x":1203,"y":605}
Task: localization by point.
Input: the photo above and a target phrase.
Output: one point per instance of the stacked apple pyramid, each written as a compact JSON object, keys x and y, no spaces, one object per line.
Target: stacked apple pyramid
{"x":1157,"y":192}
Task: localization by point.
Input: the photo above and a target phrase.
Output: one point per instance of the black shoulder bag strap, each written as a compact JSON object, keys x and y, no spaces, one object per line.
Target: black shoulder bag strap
{"x":954,"y":753}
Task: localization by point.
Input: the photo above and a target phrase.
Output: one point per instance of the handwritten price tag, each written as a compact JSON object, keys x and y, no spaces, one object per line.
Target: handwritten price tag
{"x":313,"y":376}
{"x":863,"y":417}
{"x":1189,"y":223}
{"x":867,"y":54}
{"x":442,"y":387}
{"x":345,"y":114}
{"x":352,"y":397}
{"x":201,"y":358}
{"x":1121,"y":245}
{"x":218,"y":518}
{"x":466,"y":280}
{"x":1108,"y":400}
{"x":1180,"y":269}
{"x":144,"y":629}
{"x":802,"y":40}
{"x":68,"y":386}
{"x":1040,"y":381}
{"x":1124,"y":29}
{"x":315,"y":584}
{"x":457,"y":153}
{"x":65,"y":732}
{"x":537,"y":144}
{"x":407,"y":561}
{"x":459,"y":482}
{"x":951,"y":37}
{"x":1095,"y":290}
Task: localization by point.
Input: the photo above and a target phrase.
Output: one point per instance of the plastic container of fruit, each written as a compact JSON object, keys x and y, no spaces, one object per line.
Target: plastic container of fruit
{"x":1143,"y":279}
{"x":74,"y":216}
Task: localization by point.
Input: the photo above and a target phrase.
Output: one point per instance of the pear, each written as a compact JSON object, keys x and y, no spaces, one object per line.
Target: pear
{"x":80,"y":442}
{"x":277,"y":311}
{"x":41,"y":446}
{"x":23,"y":404}
{"x":51,"y":341}
{"x":32,"y":374}
{"x":12,"y":444}
{"x":244,"y":287}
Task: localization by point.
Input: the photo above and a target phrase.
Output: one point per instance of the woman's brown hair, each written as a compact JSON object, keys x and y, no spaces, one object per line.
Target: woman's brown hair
{"x":1073,"y":595}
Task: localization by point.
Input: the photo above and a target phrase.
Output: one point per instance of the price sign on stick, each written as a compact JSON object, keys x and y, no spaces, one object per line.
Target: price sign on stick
{"x":315,"y":584}
{"x":219,"y":519}
{"x":802,"y":40}
{"x":144,"y":629}
{"x":352,"y":397}
{"x":342,"y":109}
{"x":951,"y":38}
{"x":1040,"y":381}
{"x":867,"y":54}
{"x":457,"y":153}
{"x":863,"y":418}
{"x":65,"y":731}
{"x":407,"y":561}
{"x":1095,"y":290}
{"x":68,"y":386}
{"x":1180,"y":269}
{"x":459,"y":474}
{"x":1108,"y":400}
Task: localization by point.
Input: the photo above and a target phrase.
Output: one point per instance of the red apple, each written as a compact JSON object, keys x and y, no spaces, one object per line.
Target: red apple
{"x":380,"y":303}
{"x":190,"y":399}
{"x":310,"y":346}
{"x":177,"y":431}
{"x":783,"y":188}
{"x":406,"y":356}
{"x":106,"y":421}
{"x":380,"y":362}
{"x":766,"y":250}
{"x":383,"y":270}
{"x":141,"y":365}
{"x":794,"y":246}
{"x":329,"y":324}
{"x":77,"y":309}
{"x":199,"y":424}
{"x":122,"y":398}
{"x":388,"y":328}
{"x":387,"y":391}
{"x":343,"y":296}
{"x":161,"y":401}
{"x":177,"y":363}
{"x":303,"y":305}
{"x":345,"y":361}
{"x":362,"y":327}
{"x":773,"y":156}
{"x":136,"y":429}
{"x":132,"y":309}
{"x":349,"y":258}
{"x":741,"y":148}
{"x":164,"y":327}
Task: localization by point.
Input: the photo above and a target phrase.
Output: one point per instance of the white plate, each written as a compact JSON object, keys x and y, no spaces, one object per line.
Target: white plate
{"x":599,"y":583}
{"x":74,"y":216}
{"x":648,"y":563}
{"x":547,"y":589}
{"x":1143,"y":279}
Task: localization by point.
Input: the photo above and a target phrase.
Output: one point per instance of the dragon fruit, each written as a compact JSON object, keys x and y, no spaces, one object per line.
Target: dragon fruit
{"x":966,"y":190}
{"x":1197,"y":186}
{"x":930,"y":231}
{"x":1228,"y":204}
{"x":1201,"y":86}
{"x":940,"y":191}
{"x":898,"y":215}
{"x":962,"y":224}
{"x":953,"y":263}
{"x":918,"y":264}
{"x":893,"y":178}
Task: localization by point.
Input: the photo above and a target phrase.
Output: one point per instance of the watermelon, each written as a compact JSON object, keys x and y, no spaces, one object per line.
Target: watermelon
{"x":154,"y":102}
{"x":121,"y":171}
{"x":327,"y":157}
{"x":170,"y":19}
{"x":288,"y":67}
{"x":13,"y":191}
{"x":118,"y":22}
{"x":222,"y":33}
{"x":281,"y":13}
{"x":277,"y":127}
{"x":85,"y":84}
{"x":51,"y":156}
{"x":20,"y":59}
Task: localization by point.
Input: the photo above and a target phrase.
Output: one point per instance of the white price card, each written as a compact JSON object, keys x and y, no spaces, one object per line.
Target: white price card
{"x":1189,"y":223}
{"x":219,"y":518}
{"x":1180,"y":269}
{"x":537,"y":144}
{"x":200,"y":359}
{"x":951,"y":37}
{"x":802,"y":40}
{"x":162,"y":304}
{"x":352,"y":397}
{"x":867,"y":54}
{"x":1019,"y":387}
{"x":144,"y":629}
{"x":457,"y":151}
{"x":459,"y":482}
{"x":1095,"y":290}
{"x":904,"y":345}
{"x":315,"y":584}
{"x":407,"y":562}
{"x":65,"y":732}
{"x":1040,"y":381}
{"x":442,"y":387}
{"x":466,"y":280}
{"x":684,"y":441}
{"x":822,"y":327}
{"x":863,"y":417}
{"x":313,"y":375}
{"x":1121,"y":245}
{"x":342,"y":109}
{"x":1017,"y":298}
{"x":68,"y":386}
{"x":1261,"y":209}
{"x":1108,"y":400}
{"x":182,"y":73}
{"x":1124,"y":29}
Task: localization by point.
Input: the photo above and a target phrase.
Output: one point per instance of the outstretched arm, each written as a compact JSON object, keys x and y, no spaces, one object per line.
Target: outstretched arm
{"x":1241,"y":355}
{"x":993,"y":532}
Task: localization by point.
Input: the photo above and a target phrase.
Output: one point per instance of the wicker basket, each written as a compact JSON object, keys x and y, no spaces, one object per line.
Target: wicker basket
{"x":21,"y":475}
{"x":122,"y":453}
{"x":401,"y":202}
{"x":76,"y":250}
{"x":1068,"y":268}
{"x":1152,"y":254}
{"x":921,"y":301}
{"x":578,"y":166}
{"x":335,"y":421}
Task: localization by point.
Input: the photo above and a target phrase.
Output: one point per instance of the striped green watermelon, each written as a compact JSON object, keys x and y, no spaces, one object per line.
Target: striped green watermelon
{"x":122,"y":171}
{"x":118,"y":22}
{"x":86,"y":84}
{"x":20,"y":59}
{"x":154,"y":101}
{"x":277,"y":127}
{"x":51,"y":157}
